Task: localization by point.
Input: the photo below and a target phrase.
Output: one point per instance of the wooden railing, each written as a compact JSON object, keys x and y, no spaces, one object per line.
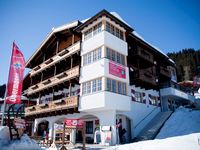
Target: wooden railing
{"x":58,"y":57}
{"x":144,"y":54}
{"x":64,"y":76}
{"x":145,"y":75}
{"x":165,"y":71}
{"x":62,"y":104}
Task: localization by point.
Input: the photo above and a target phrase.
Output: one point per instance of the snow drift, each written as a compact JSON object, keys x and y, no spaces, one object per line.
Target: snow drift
{"x":25,"y":143}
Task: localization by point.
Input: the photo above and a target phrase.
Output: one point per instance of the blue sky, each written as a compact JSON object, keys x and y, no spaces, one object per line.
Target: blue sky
{"x":170,"y":25}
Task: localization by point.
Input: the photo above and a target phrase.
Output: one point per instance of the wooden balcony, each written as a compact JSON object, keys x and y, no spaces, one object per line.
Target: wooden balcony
{"x":64,"y":105}
{"x":55,"y":59}
{"x":144,"y":54}
{"x":164,"y":71}
{"x":60,"y":78}
{"x":143,"y":78}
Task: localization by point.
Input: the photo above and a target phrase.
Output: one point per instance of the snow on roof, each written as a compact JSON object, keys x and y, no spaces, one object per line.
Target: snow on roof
{"x":54,"y":30}
{"x":156,"y":48}
{"x":119,"y":17}
{"x":139,"y":36}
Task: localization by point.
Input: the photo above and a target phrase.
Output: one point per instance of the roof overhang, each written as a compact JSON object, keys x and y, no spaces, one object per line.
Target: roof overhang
{"x":52,"y":33}
{"x":100,"y":14}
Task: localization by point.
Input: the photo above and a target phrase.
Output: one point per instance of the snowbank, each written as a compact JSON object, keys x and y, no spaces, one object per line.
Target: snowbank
{"x":25,"y":143}
{"x":182,"y":122}
{"x":4,"y":133}
{"x":187,"y":142}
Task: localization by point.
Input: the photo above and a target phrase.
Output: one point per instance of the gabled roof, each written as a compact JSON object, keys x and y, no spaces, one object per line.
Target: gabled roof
{"x":135,"y":34}
{"x":54,"y":30}
{"x":104,"y":13}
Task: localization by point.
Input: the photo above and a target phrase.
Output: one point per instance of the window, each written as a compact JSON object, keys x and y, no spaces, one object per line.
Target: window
{"x":108,"y":86}
{"x":117,"y":33}
{"x":152,"y":100}
{"x":99,"y":84}
{"x":84,"y":88}
{"x":121,"y":35}
{"x":115,"y":86}
{"x":88,"y":34}
{"x":119,"y":87}
{"x":89,"y":58}
{"x":115,"y":56}
{"x":85,"y":59}
{"x":108,"y":27}
{"x":94,"y":86}
{"x":114,"y":30}
{"x":118,"y":57}
{"x":122,"y":59}
{"x":92,"y":56}
{"x":89,"y":127}
{"x":99,"y":53}
{"x":93,"y":31}
{"x":112,"y":55}
{"x":108,"y":53}
{"x":88,"y":87}
{"x":138,"y":96}
{"x":99,"y":27}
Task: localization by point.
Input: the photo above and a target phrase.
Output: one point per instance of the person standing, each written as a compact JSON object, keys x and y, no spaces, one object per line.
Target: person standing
{"x":119,"y":127}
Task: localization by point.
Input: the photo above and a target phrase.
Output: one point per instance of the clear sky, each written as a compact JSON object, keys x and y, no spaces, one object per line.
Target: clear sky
{"x":170,"y":25}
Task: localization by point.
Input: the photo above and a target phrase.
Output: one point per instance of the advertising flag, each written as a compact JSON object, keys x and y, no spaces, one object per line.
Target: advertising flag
{"x":15,"y":78}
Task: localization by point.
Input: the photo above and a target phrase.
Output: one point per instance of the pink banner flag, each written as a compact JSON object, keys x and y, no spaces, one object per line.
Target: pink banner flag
{"x":15,"y":79}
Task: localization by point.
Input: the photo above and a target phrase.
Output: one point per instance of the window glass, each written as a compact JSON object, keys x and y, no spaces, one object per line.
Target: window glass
{"x":114,"y":86}
{"x":88,"y":87}
{"x":99,"y":85}
{"x":94,"y":86}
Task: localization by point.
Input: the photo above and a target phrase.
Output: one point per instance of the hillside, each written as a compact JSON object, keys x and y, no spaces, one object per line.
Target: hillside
{"x":187,"y":62}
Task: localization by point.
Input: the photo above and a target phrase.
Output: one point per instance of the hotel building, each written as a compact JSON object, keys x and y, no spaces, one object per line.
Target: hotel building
{"x":99,"y":70}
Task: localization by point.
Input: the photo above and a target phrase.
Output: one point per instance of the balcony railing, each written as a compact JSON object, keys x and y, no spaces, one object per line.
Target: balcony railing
{"x":53,"y":106}
{"x":165,"y":71}
{"x":58,"y":57}
{"x":144,"y":54}
{"x":64,"y":76}
{"x":144,"y":75}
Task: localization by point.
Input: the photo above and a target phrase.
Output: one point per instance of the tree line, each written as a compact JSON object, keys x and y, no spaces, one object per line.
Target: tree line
{"x":187,"y":63}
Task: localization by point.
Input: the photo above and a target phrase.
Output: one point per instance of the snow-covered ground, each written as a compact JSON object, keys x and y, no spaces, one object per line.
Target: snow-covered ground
{"x":25,"y":143}
{"x":182,"y":122}
{"x":180,"y":132}
{"x":187,"y":142}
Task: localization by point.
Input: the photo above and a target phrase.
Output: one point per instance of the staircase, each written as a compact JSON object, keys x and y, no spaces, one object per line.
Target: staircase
{"x":152,"y":129}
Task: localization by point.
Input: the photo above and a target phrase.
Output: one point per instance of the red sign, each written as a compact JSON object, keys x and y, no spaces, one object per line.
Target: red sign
{"x":15,"y":79}
{"x":117,"y":70}
{"x":74,"y":122}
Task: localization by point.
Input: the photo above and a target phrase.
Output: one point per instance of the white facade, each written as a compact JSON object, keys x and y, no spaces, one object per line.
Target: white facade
{"x":105,"y":92}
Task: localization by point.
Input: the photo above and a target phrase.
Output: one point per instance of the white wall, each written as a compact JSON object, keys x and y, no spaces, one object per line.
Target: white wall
{"x":98,"y":69}
{"x":139,"y":111}
{"x":104,"y":100}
